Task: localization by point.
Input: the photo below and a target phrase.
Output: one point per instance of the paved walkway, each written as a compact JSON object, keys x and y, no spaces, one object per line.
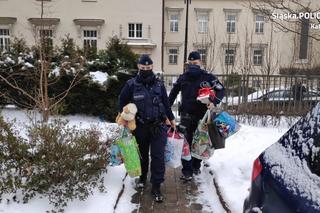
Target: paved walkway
{"x":179,"y":196}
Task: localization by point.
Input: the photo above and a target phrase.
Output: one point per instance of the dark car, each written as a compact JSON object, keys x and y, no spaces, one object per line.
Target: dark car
{"x":286,"y":176}
{"x":285,"y":96}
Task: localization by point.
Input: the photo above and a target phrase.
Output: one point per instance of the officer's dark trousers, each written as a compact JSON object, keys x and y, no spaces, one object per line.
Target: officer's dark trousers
{"x":146,"y":138}
{"x":191,"y":123}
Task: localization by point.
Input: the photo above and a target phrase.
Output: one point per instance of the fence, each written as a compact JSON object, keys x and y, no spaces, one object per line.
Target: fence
{"x":265,"y":94}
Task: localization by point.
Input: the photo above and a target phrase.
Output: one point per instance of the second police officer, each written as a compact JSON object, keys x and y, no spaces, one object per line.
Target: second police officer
{"x":191,"y":109}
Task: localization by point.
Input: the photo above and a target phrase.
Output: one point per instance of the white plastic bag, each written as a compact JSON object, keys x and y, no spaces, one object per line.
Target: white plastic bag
{"x":173,"y":149}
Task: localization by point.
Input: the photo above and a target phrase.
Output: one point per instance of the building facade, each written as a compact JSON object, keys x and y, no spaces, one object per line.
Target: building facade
{"x":234,"y":37}
{"x":89,"y":22}
{"x":230,"y":36}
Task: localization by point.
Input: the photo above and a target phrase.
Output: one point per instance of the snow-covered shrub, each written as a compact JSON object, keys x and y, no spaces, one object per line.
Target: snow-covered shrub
{"x":59,"y":162}
{"x":13,"y":157}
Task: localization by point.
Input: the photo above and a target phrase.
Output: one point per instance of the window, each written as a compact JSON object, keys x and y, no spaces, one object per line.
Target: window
{"x":89,"y":39}
{"x":174,"y":22}
{"x":203,"y":23}
{"x":203,"y":55}
{"x":46,"y":37}
{"x":259,"y":24}
{"x":135,"y":30}
{"x":257,"y":57}
{"x":173,"y":56}
{"x":229,"y":56}
{"x":231,"y":23}
{"x":4,"y":39}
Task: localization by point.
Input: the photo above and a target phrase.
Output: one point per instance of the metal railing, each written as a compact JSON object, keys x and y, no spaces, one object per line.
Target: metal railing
{"x":265,"y":94}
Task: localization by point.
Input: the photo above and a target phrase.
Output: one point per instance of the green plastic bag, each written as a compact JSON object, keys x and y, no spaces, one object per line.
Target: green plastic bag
{"x":129,"y":149}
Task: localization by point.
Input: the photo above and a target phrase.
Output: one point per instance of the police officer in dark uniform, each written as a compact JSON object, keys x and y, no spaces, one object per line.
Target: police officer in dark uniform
{"x":150,"y":97}
{"x":191,"y":109}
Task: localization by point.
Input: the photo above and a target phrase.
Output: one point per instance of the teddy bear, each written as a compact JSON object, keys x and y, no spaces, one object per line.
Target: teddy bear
{"x":127,"y":116}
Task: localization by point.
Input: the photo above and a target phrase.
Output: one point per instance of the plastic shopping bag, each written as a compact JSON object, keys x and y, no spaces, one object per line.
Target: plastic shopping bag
{"x":173,"y":149}
{"x":130,"y":153}
{"x":201,"y":144}
{"x":186,"y":154}
{"x":116,"y":155}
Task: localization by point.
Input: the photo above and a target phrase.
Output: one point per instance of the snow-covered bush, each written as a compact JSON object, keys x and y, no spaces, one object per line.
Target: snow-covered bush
{"x":59,"y":162}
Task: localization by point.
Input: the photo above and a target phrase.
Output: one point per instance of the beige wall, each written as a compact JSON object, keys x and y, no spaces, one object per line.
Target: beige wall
{"x":280,"y":49}
{"x":116,"y":15}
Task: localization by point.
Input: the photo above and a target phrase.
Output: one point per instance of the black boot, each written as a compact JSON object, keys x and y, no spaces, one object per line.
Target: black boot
{"x":157,"y":195}
{"x":142,"y":182}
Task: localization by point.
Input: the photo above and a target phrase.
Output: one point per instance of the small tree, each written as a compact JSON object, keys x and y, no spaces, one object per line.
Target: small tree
{"x":41,"y":75}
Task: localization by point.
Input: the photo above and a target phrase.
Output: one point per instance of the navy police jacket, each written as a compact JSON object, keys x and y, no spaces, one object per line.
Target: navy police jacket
{"x":150,"y":98}
{"x":189,"y":83}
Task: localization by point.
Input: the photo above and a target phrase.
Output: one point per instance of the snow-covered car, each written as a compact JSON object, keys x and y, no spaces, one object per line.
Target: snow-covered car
{"x":286,"y":176}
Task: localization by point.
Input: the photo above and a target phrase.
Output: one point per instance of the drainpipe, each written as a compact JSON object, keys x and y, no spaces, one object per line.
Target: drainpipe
{"x":162,"y":36}
{"x":186,"y":31}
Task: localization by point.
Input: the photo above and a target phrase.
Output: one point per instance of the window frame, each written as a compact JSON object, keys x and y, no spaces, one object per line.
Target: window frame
{"x":6,"y":39}
{"x":135,"y":30}
{"x":48,"y":36}
{"x":256,"y":58}
{"x":173,"y":57}
{"x":203,"y":22}
{"x":203,"y":55}
{"x":227,"y":56}
{"x":259,"y":24}
{"x":174,"y":23}
{"x":231,"y":23}
{"x":90,"y":40}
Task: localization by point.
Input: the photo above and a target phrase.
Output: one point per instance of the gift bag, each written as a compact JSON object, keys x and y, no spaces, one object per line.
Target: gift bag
{"x":226,"y":124}
{"x":173,"y":149}
{"x":130,"y":152}
{"x":201,"y":143}
{"x":217,"y":140}
{"x":116,"y":155}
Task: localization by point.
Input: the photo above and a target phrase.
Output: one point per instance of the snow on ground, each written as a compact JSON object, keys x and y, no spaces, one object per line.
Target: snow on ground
{"x":207,"y":193}
{"x":231,"y":166}
{"x":98,"y":202}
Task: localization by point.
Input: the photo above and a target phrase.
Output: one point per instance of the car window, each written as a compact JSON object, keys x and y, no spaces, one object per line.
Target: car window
{"x":287,"y":93}
{"x":312,"y":94}
{"x":276,"y":94}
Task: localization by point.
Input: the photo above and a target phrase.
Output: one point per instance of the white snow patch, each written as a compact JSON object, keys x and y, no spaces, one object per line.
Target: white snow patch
{"x":99,"y":76}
